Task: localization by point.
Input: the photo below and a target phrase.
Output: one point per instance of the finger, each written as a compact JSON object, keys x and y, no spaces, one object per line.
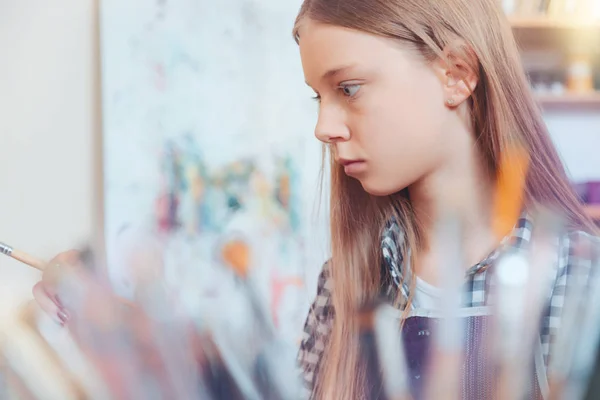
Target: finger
{"x":49,"y":304}
{"x":65,"y":262}
{"x":70,"y":257}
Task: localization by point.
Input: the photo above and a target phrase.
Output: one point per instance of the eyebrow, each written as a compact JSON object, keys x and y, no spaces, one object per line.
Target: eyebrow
{"x":332,"y":73}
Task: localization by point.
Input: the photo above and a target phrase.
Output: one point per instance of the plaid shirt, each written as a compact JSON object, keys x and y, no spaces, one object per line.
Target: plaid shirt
{"x":478,"y":280}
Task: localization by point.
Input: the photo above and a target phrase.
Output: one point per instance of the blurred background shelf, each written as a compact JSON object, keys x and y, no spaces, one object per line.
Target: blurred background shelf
{"x":543,"y":22}
{"x":570,"y":100}
{"x":559,"y":42}
{"x":559,"y":45}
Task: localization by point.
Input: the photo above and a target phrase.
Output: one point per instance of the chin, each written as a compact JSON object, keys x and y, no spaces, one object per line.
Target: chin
{"x":378,"y":190}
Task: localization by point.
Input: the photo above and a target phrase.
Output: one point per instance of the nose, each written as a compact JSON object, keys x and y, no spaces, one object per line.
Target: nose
{"x":331,"y":126}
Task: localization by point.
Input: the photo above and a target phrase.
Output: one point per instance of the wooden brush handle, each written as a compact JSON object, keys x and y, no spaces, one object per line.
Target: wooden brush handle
{"x":28,"y":259}
{"x":23,"y":257}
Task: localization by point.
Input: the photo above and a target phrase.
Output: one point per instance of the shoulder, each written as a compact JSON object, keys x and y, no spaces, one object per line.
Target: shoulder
{"x":579,"y":253}
{"x":578,"y":263}
{"x":316,"y":329}
{"x":578,"y":257}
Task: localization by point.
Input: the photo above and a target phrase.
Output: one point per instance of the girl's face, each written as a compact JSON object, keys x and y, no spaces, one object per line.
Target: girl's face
{"x":382,"y":107}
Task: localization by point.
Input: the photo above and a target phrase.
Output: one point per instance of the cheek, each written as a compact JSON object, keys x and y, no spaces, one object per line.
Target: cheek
{"x":404,"y":130}
{"x":416,"y":109}
{"x":409,"y":110}
{"x":403,"y":139}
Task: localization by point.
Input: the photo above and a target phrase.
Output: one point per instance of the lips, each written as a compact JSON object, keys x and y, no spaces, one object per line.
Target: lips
{"x":352,"y":167}
{"x":344,"y":162}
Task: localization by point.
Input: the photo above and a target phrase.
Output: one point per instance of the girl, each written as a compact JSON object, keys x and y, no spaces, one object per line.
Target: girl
{"x":418,"y":100}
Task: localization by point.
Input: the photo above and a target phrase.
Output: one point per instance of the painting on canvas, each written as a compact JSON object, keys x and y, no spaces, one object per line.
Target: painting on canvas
{"x":209,"y":157}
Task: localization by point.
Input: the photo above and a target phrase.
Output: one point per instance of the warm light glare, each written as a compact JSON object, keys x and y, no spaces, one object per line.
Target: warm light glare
{"x":595,"y":11}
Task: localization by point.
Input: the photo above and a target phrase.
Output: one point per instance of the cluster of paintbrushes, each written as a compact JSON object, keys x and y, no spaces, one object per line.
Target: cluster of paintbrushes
{"x":492,"y":352}
{"x":495,"y":351}
{"x":145,"y":349}
{"x":148,"y":348}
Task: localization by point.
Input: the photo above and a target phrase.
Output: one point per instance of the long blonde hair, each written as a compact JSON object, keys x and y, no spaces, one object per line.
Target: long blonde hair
{"x":504,"y":112}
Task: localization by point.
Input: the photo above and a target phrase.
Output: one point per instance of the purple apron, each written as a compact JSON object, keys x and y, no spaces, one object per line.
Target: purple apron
{"x":478,"y":372}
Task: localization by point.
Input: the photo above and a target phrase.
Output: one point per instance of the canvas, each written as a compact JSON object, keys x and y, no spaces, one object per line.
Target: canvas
{"x":209,"y":156}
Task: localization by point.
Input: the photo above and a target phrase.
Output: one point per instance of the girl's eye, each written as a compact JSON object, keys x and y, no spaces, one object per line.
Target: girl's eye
{"x":317,"y":97}
{"x":350,"y":90}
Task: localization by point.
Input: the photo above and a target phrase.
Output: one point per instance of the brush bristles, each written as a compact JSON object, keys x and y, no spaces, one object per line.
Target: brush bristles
{"x":236,"y":255}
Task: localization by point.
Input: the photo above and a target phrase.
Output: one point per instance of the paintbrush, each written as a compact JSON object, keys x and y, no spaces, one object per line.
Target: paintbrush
{"x":587,"y":344}
{"x":522,"y":287}
{"x":568,"y":335}
{"x":446,"y":358}
{"x":382,"y":349}
{"x":274,"y":368}
{"x":510,"y":190}
{"x":369,"y":355}
{"x":236,"y":255}
{"x":512,"y":277}
{"x":22,"y":257}
{"x":28,"y":358}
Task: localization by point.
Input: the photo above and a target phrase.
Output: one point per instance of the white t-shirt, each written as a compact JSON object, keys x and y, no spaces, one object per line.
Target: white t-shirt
{"x":427,"y":296}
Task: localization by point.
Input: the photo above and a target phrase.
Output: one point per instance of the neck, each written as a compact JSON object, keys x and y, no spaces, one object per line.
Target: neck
{"x":463,"y":186}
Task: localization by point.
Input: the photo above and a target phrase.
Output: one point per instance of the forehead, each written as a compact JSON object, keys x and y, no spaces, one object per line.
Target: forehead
{"x":323,"y":47}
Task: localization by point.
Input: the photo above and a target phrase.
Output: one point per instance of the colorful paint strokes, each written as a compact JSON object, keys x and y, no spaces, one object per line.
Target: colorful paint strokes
{"x":199,"y":200}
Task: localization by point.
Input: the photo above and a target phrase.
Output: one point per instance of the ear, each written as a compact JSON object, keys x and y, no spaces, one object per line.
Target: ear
{"x":458,"y":74}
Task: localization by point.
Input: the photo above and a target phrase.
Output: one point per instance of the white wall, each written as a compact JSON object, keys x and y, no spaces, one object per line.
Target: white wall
{"x":49,"y":133}
{"x":577,"y":136}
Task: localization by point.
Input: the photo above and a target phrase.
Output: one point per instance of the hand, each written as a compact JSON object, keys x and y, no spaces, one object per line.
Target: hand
{"x":45,"y":292}
{"x":113,"y":334}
